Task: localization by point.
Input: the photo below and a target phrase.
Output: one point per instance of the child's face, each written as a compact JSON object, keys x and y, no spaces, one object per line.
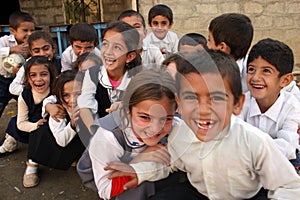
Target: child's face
{"x":70,"y":95}
{"x":151,"y":120}
{"x":82,"y":47}
{"x":23,"y":32}
{"x":114,"y":52}
{"x":41,"y":47}
{"x":263,"y":81}
{"x":39,"y":78}
{"x":160,"y":26}
{"x":206,"y":104}
{"x":136,"y":22}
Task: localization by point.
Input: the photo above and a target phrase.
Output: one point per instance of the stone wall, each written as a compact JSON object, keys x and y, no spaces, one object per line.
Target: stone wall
{"x":278,"y":19}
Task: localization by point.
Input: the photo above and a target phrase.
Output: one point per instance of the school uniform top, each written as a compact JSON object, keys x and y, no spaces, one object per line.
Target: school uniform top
{"x":24,"y":122}
{"x":151,"y":55}
{"x":88,"y":91}
{"x":104,"y":147}
{"x":235,"y":165}
{"x":242,"y":64}
{"x":16,"y":86}
{"x":62,"y":131}
{"x":170,"y":42}
{"x":6,"y":42}
{"x":68,"y":57}
{"x":293,"y":88}
{"x":280,"y":121}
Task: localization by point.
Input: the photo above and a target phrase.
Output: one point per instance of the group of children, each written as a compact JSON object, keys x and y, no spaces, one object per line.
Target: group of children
{"x":161,"y":117}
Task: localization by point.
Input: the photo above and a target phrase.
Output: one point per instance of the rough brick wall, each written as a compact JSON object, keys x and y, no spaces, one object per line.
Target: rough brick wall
{"x":278,"y":19}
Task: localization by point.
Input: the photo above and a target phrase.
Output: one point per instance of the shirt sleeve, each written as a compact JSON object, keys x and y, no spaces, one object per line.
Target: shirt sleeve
{"x":87,"y":97}
{"x":66,"y":60}
{"x":23,"y":122}
{"x":51,"y":99}
{"x":62,"y":131}
{"x":16,"y":86}
{"x":100,"y":156}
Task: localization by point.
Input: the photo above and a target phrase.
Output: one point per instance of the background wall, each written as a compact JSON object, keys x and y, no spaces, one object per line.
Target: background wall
{"x":278,"y":19}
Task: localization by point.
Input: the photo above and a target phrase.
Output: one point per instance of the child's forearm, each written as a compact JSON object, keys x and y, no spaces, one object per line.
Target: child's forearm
{"x":87,"y":117}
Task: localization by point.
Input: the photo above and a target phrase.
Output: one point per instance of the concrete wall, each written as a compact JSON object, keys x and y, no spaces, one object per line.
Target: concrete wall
{"x":278,"y":19}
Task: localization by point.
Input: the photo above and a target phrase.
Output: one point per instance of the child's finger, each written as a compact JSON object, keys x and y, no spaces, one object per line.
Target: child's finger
{"x":131,"y":184}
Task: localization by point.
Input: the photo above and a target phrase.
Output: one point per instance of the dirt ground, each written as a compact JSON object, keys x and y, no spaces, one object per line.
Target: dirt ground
{"x":54,"y":184}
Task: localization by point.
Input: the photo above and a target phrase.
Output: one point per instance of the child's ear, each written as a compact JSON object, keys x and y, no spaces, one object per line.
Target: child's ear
{"x":130,"y":56}
{"x":286,"y":79}
{"x":237,"y":108}
{"x":224,"y":47}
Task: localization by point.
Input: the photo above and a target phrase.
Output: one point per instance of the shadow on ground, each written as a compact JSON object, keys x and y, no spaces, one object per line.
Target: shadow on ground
{"x":54,"y":184}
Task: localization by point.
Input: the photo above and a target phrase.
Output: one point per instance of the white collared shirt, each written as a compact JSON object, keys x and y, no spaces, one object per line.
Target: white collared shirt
{"x":235,"y":166}
{"x":169,"y":43}
{"x":87,"y":97}
{"x":280,"y":121}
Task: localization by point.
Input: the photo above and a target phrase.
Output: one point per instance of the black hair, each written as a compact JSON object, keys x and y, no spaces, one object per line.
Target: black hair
{"x":17,"y":17}
{"x":275,"y":52}
{"x":129,"y":13}
{"x":83,"y":32}
{"x":160,"y":9}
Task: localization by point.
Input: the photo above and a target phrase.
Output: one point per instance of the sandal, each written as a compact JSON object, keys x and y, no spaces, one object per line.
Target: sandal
{"x":30,"y":180}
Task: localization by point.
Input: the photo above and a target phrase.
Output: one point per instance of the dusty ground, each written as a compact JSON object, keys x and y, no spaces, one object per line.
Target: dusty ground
{"x":54,"y":184}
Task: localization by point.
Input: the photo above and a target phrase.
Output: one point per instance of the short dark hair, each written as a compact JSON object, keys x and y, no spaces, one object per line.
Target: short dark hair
{"x":129,"y":13}
{"x":17,"y":17}
{"x":192,"y":39}
{"x":83,"y":32}
{"x":275,"y":52}
{"x":41,"y":35}
{"x":212,"y":61}
{"x":160,"y":9}
{"x":235,"y":30}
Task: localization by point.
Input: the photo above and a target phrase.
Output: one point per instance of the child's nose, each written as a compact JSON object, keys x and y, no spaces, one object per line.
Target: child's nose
{"x":156,"y":126}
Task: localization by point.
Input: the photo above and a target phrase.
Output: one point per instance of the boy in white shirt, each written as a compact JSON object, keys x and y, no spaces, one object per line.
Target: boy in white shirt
{"x":150,"y":54}
{"x":267,"y":106}
{"x":160,"y":19}
{"x":224,"y":157}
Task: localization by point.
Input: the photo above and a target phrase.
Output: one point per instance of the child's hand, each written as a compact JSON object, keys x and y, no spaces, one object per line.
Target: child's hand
{"x":157,"y":153}
{"x":21,"y":48}
{"x":56,"y":111}
{"x":41,"y":122}
{"x":114,"y":106}
{"x":122,"y":169}
{"x":75,"y":116}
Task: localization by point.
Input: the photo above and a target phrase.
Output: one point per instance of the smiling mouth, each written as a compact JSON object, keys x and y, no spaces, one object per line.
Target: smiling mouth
{"x":205,"y":125}
{"x":110,"y":61}
{"x":257,"y":86}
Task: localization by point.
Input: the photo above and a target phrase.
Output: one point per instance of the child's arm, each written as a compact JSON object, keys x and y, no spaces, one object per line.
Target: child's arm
{"x":16,"y":86}
{"x":23,"y":122}
{"x":62,"y":131}
{"x":56,"y":111}
{"x":87,"y":117}
{"x":114,"y":106}
{"x":21,"y":48}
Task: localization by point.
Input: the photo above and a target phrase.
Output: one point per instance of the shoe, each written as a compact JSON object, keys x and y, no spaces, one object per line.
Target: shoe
{"x":30,"y":180}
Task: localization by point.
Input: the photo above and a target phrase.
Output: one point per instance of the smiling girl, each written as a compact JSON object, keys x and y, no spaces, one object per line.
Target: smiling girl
{"x":119,"y":55}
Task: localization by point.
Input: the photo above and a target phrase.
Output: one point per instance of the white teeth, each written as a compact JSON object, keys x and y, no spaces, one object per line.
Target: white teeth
{"x":258,"y":86}
{"x":204,"y":124}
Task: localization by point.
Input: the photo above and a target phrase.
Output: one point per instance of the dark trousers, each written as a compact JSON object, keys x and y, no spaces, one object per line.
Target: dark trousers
{"x":5,"y":95}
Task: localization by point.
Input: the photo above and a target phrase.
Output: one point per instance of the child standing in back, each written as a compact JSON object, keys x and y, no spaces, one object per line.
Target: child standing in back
{"x":21,"y":26}
{"x":83,"y":38}
{"x":104,"y":85}
{"x":232,"y":33}
{"x":160,"y":19}
{"x":40,"y":43}
{"x":267,"y":106}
